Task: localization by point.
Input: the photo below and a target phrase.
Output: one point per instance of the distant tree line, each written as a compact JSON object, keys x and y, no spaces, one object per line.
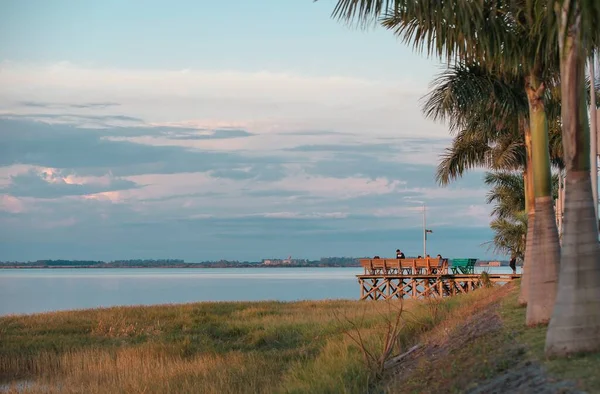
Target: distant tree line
{"x":177,"y":263}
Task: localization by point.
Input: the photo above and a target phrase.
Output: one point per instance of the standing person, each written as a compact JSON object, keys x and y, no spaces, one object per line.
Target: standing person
{"x":513,"y":264}
{"x":399,"y":254}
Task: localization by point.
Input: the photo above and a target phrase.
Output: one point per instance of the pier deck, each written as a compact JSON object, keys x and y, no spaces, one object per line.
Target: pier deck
{"x":418,"y":279}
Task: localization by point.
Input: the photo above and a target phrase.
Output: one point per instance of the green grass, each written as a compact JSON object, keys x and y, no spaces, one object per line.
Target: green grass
{"x":276,"y":347}
{"x":582,"y":369}
{"x":212,"y":347}
{"x":477,"y":349}
{"x":461,"y":350}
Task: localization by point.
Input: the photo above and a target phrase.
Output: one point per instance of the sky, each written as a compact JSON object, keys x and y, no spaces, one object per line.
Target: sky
{"x":204,"y":130}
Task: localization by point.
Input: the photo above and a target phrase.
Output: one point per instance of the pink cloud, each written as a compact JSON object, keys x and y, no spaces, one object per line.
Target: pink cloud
{"x":337,"y":187}
{"x":11,"y":204}
{"x":300,"y":215}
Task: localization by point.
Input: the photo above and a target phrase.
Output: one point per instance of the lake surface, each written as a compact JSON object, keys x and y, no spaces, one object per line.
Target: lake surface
{"x":42,"y":290}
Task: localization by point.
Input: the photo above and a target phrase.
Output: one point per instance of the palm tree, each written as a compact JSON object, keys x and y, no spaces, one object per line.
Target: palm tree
{"x":490,"y":116}
{"x":509,"y":234}
{"x":507,"y":193}
{"x":459,"y":95}
{"x":575,"y":323}
{"x":510,"y":223}
{"x":496,"y":35}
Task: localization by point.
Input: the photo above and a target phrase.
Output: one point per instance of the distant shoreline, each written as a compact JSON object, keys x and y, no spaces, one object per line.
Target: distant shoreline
{"x":325,"y":262}
{"x":194,"y":266}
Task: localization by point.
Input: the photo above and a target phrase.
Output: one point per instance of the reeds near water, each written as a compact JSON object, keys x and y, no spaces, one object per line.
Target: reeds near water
{"x":204,"y":347}
{"x":221,"y":347}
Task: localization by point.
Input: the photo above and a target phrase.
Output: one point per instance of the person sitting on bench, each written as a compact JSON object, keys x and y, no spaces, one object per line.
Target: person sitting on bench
{"x":399,"y":254}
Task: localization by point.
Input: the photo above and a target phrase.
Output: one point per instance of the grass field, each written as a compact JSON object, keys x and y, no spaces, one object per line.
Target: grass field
{"x":484,"y":346}
{"x":205,"y":347}
{"x":582,"y":369}
{"x":274,"y":347}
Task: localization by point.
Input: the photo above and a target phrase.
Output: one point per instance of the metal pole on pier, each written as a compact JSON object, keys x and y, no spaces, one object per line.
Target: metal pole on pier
{"x":424,"y":233}
{"x":425,"y":230}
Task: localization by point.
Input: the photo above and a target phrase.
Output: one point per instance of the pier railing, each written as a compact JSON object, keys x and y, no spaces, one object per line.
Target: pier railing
{"x":418,"y":278}
{"x":426,"y":266}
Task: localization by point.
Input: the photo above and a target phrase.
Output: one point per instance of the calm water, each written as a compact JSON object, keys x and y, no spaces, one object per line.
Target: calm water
{"x":42,"y":290}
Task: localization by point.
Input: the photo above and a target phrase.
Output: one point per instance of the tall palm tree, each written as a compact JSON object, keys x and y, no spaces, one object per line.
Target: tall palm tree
{"x":575,"y":323}
{"x":496,"y":35}
{"x":490,"y":116}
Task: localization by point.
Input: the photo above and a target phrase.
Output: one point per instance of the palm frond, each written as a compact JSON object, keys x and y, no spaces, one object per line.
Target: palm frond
{"x":466,"y":89}
{"x":508,"y":154}
{"x":468,"y":150}
{"x":509,"y":235}
{"x":507,"y":193}
{"x":361,"y":11}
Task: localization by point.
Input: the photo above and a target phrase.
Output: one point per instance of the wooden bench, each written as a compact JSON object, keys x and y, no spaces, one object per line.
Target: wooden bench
{"x":410,"y":266}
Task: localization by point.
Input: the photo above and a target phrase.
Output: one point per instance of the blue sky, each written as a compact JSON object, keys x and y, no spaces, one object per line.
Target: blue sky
{"x":206,"y":130}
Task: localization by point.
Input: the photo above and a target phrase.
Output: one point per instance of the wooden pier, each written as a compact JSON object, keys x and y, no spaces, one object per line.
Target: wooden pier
{"x":418,"y":279}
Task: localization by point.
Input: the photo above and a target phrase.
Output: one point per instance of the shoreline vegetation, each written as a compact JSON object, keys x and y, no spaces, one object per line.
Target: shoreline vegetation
{"x":475,"y":342}
{"x":176,"y":263}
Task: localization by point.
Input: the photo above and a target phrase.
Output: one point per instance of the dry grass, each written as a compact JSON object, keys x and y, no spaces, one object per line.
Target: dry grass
{"x":207,"y":347}
{"x":238,"y":347}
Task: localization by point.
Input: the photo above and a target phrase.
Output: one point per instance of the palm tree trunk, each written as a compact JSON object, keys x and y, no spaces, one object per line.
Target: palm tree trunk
{"x":530,"y":208}
{"x":545,"y":256}
{"x":575,"y":324}
{"x":560,"y":202}
{"x":593,"y":136}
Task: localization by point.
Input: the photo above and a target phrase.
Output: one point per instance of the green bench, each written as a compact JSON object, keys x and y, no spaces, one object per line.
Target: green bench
{"x":463,"y":266}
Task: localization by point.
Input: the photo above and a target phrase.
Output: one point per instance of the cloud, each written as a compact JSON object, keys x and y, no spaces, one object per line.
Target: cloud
{"x":337,"y":187}
{"x":450,"y":193}
{"x":90,"y":152}
{"x":54,"y":183}
{"x":38,"y":104}
{"x":347,"y":148}
{"x":80,"y":120}
{"x":267,"y":101}
{"x":11,"y":204}
{"x":298,"y":215}
{"x":207,"y":164}
{"x":212,"y":134}
{"x":316,"y":132}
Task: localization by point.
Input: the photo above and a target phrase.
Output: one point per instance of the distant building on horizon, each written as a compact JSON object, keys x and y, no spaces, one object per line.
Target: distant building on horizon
{"x":289,"y":260}
{"x":491,"y":263}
